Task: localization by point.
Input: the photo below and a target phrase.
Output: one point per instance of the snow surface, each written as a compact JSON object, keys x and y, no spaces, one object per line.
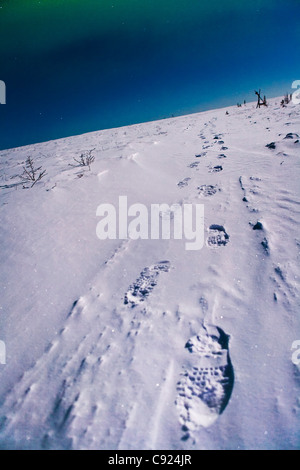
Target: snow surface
{"x":141,"y":344}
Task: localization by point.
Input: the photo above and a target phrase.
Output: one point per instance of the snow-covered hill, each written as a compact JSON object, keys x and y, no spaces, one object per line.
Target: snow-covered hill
{"x":142,"y":344}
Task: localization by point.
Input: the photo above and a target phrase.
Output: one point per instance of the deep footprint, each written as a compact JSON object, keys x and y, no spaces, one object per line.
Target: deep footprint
{"x":217,"y":236}
{"x":205,"y":388}
{"x":143,"y":286}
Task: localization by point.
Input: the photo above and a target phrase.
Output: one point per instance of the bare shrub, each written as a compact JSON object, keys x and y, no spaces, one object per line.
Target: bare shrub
{"x":86,"y":159}
{"x":30,"y":174}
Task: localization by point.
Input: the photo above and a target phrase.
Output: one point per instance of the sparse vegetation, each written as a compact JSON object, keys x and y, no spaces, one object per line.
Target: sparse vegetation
{"x":30,"y":174}
{"x":287,"y":98}
{"x":86,"y":159}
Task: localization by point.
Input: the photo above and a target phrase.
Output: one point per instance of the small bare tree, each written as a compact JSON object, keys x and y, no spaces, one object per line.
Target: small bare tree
{"x":86,"y":159}
{"x":260,"y":101}
{"x":287,"y":98}
{"x":30,"y":174}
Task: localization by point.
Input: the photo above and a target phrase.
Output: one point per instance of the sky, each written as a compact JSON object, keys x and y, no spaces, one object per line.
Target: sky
{"x":73,"y":66}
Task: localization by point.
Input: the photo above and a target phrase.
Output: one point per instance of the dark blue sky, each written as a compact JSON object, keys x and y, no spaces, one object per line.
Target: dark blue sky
{"x":72,"y":67}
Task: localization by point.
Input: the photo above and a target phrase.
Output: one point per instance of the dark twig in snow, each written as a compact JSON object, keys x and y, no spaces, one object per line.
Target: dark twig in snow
{"x":30,"y":174}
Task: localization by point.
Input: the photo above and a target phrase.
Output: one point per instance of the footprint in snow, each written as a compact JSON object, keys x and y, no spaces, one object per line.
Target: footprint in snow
{"x":143,"y":286}
{"x":286,"y":290}
{"x":216,"y":169}
{"x":183,"y":183}
{"x":207,"y":190}
{"x":205,"y":387}
{"x":271,"y":146}
{"x":193,"y":165}
{"x":290,"y":135}
{"x":217,"y":236}
{"x":251,"y":189}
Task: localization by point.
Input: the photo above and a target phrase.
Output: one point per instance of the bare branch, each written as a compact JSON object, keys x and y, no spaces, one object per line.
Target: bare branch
{"x":29,"y":174}
{"x":86,"y":159}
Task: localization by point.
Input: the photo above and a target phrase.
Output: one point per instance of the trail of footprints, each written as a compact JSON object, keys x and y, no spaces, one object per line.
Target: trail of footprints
{"x":251,"y":190}
{"x":203,"y":390}
{"x":217,"y":140}
{"x":217,"y":235}
{"x":205,"y":387}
